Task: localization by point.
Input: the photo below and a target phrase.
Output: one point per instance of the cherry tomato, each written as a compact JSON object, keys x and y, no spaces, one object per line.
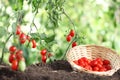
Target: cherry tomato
{"x":19,"y":52}
{"x":22,"y":38}
{"x":68,"y":38}
{"x":102,"y":69}
{"x":14,"y":65}
{"x":99,"y":65}
{"x":43,"y":52}
{"x":28,"y":38}
{"x":44,"y":58}
{"x":74,"y":44}
{"x":72,"y":33}
{"x":12,"y":57}
{"x":33,"y":43}
{"x":22,"y":65}
{"x":108,"y":67}
{"x":95,"y":68}
{"x":106,"y":62}
{"x":12,"y":49}
{"x":93,"y":63}
{"x":88,"y":67}
{"x":18,"y":30}
{"x":81,"y":63}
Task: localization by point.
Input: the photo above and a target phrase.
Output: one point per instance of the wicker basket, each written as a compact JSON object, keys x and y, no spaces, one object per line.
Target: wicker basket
{"x":92,"y":52}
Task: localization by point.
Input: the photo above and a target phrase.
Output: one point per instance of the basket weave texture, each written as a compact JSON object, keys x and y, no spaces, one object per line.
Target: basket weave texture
{"x":92,"y":52}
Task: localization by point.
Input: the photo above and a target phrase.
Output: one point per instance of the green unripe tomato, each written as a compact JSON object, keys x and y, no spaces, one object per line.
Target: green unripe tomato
{"x":22,"y":65}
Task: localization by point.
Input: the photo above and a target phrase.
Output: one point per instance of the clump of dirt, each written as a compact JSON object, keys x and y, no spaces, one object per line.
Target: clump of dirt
{"x":58,"y":70}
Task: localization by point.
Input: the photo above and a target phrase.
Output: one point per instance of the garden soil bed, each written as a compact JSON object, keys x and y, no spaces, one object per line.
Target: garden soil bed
{"x":58,"y":70}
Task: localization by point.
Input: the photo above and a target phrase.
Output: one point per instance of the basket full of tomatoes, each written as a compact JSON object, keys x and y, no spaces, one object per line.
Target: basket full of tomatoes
{"x":94,"y":59}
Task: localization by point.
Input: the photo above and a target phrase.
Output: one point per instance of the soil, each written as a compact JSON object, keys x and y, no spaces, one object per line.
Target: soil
{"x":58,"y":70}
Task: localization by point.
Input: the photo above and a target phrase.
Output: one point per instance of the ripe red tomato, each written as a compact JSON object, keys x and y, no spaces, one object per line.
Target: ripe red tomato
{"x":106,"y":62}
{"x":12,"y":49}
{"x":33,"y":43}
{"x":44,"y":58}
{"x":93,"y":63}
{"x":108,"y":67}
{"x":43,"y":52}
{"x":14,"y":65}
{"x":84,"y":59}
{"x":28,"y":38}
{"x":74,"y":44}
{"x":19,"y":52}
{"x":18,"y":30}
{"x":81,"y":63}
{"x":72,"y":33}
{"x":68,"y":38}
{"x":102,"y":69}
{"x":95,"y":68}
{"x":12,"y":57}
{"x":22,"y":38}
{"x":88,"y":67}
{"x":20,"y":58}
{"x":99,"y":65}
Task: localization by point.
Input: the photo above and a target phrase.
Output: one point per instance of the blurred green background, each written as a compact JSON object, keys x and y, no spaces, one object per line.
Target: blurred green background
{"x":96,"y":22}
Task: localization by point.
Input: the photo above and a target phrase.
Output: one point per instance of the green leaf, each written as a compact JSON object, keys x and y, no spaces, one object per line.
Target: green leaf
{"x":2,"y":32}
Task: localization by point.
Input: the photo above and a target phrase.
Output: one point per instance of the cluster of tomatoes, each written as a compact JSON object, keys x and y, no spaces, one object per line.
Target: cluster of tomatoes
{"x":44,"y":55}
{"x":23,"y":37}
{"x":70,"y":36}
{"x":16,"y":59}
{"x":16,"y":55}
{"x":94,"y":65}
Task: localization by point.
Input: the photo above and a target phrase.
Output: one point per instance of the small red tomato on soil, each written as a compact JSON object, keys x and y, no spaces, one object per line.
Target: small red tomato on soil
{"x":72,"y":33}
{"x":12,"y":57}
{"x":33,"y":43}
{"x":44,"y":58}
{"x":43,"y":52}
{"x":106,"y":62}
{"x":22,"y":38}
{"x":74,"y":44}
{"x":68,"y":38}
{"x":14,"y":65}
{"x":18,"y":30}
{"x":12,"y":49}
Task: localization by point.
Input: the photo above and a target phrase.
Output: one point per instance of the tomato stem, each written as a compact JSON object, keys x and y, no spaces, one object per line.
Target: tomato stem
{"x":70,"y":20}
{"x":4,"y":48}
{"x":68,"y":48}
